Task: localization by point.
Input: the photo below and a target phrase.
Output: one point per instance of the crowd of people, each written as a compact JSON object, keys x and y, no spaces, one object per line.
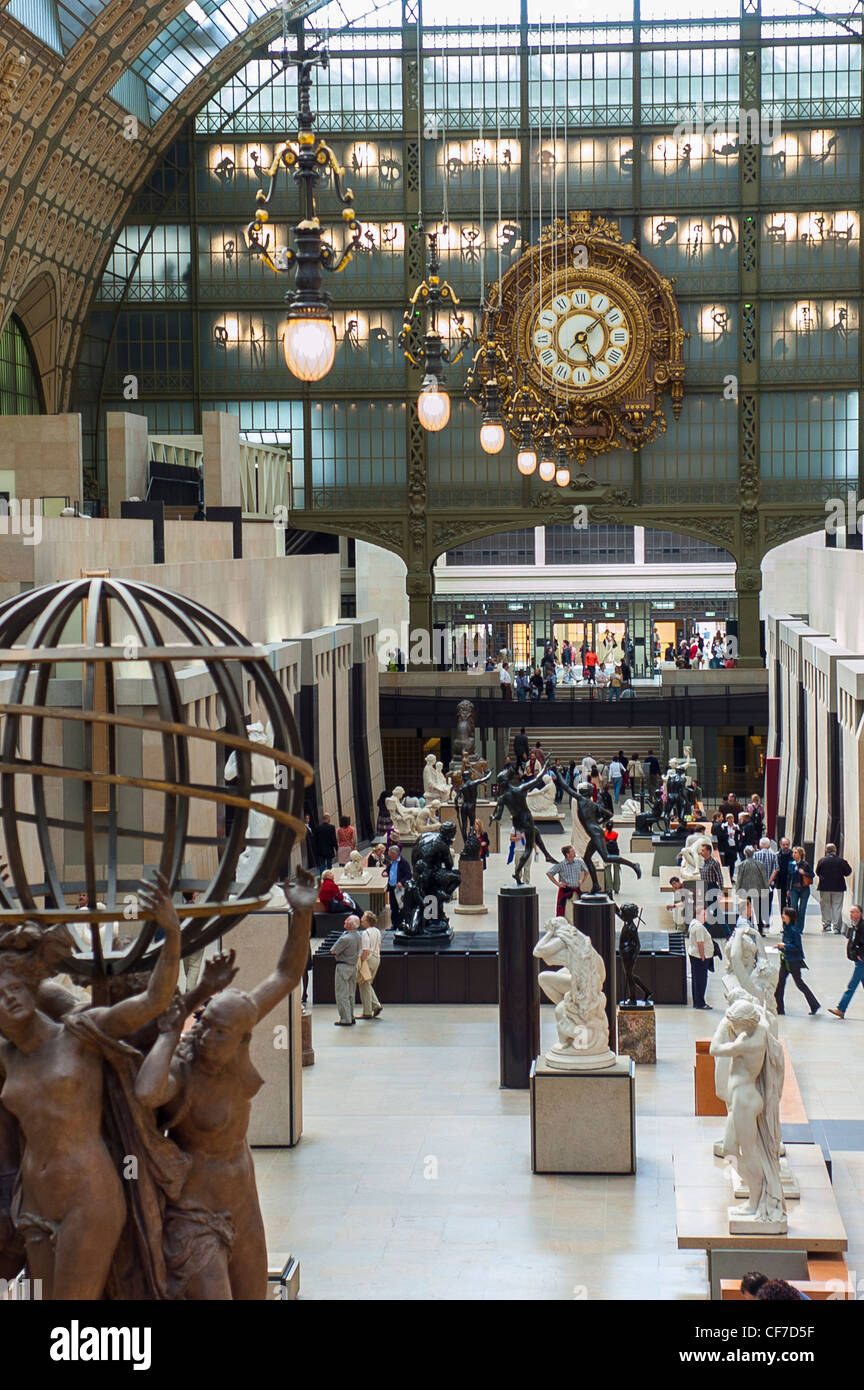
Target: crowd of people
{"x":607,"y":667}
{"x":762,"y":872}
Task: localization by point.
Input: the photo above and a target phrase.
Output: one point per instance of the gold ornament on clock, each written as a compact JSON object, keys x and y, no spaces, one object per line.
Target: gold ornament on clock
{"x":585,"y":338}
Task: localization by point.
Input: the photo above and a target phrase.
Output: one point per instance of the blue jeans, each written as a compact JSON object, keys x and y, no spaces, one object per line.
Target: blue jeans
{"x":616,"y":787}
{"x":799,"y":900}
{"x":857,"y":979}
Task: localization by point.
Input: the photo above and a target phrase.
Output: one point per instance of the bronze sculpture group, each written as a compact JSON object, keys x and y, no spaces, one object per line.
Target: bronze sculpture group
{"x":124,"y":1167}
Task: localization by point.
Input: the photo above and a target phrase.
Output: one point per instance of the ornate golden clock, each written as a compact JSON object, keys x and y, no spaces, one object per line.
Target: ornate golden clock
{"x":585,"y":338}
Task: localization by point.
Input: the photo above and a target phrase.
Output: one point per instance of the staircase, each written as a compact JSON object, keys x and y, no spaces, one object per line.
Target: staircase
{"x":601,"y":744}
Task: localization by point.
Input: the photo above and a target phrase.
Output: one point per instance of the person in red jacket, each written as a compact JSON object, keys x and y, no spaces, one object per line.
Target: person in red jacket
{"x":330,"y":896}
{"x":591,"y":664}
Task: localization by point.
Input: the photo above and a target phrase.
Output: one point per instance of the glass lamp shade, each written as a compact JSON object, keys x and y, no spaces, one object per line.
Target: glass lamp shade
{"x":547,"y":470}
{"x":492,"y":436}
{"x":562,"y":476}
{"x":433,"y":408}
{"x":310,"y":347}
{"x":526,"y":461}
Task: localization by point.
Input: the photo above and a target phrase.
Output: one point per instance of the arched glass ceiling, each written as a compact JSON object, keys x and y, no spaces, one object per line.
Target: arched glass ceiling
{"x":190,"y":42}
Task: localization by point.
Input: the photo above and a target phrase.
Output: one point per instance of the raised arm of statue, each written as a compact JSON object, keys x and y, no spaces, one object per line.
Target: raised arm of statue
{"x":154,"y":1084}
{"x":301,"y":897}
{"x":120,"y":1019}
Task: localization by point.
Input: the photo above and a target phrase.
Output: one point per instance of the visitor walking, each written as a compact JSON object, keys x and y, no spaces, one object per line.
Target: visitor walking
{"x":326,"y":843}
{"x":617,"y":772}
{"x":780,"y":878}
{"x":793,"y":962}
{"x":832,"y":872}
{"x":652,"y":771}
{"x":521,"y":748}
{"x":591,"y":666}
{"x":347,"y":952}
{"x":800,"y":879}
{"x":367,"y":967}
{"x":700,"y":949}
{"x":855,"y":953}
{"x":346,"y":840}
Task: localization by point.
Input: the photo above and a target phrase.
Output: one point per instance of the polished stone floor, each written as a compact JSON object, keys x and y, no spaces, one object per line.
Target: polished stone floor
{"x":413,"y":1180}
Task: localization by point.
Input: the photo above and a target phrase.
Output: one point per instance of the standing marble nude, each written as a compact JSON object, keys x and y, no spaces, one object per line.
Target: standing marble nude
{"x":202,"y":1084}
{"x":69,"y":1205}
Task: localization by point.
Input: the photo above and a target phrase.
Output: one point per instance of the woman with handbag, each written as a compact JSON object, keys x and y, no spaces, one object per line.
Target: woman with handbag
{"x":793,"y":962}
{"x":800,"y":879}
{"x":367,"y":965}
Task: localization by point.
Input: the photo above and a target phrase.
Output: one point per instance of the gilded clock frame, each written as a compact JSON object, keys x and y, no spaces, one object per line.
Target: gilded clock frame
{"x":625,"y":412}
{"x":594,"y":280}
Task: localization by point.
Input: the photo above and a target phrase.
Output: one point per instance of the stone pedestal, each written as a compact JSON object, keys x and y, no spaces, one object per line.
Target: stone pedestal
{"x":306,"y":1034}
{"x":518,"y":989}
{"x":277,"y":1045}
{"x":594,"y":914}
{"x":637,"y":1033}
{"x":583,"y":1122}
{"x":471,"y":887}
{"x":666,"y":852}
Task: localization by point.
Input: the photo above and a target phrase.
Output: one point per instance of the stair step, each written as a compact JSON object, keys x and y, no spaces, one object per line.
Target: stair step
{"x":600,"y":744}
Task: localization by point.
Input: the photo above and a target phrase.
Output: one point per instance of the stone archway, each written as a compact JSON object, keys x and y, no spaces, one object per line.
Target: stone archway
{"x":38,"y":312}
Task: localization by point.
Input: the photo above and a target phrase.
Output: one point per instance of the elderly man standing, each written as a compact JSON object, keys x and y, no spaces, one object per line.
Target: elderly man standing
{"x":347,"y":953}
{"x":832,"y":872}
{"x":767,"y":857}
{"x":751,"y":878}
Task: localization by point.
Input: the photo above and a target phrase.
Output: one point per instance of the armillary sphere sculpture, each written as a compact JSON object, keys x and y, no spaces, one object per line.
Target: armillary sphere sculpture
{"x":88,"y":781}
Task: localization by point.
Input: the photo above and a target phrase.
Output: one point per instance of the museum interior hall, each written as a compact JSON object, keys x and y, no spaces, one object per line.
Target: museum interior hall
{"x":430,"y":574}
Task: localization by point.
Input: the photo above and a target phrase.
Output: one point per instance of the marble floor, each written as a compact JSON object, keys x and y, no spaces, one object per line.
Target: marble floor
{"x":413,"y":1181}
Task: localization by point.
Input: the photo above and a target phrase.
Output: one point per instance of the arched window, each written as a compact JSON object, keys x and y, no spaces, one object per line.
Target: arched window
{"x":20,"y":388}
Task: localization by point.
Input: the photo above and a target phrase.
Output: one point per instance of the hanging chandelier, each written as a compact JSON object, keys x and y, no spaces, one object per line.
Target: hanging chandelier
{"x":310,"y":337}
{"x":431,"y":299}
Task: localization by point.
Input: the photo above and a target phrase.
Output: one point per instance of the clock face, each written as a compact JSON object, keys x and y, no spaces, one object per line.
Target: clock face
{"x":582,"y":338}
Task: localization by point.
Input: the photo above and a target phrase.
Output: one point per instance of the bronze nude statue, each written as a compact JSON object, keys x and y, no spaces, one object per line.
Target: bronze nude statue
{"x":68,"y":1204}
{"x":592,"y":818}
{"x":513,"y":796}
{"x":201,"y":1085}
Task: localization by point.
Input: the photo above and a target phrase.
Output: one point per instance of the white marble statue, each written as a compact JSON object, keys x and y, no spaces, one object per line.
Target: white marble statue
{"x":690,"y":857}
{"x":576,"y":990}
{"x":401,"y":816}
{"x":354,"y":867}
{"x":435,"y":784}
{"x":426,"y":817}
{"x":259,"y":826}
{"x":744,"y":1040}
{"x":541,"y":803}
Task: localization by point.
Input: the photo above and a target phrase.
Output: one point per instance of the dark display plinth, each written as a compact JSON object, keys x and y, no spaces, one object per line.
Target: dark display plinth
{"x":518,"y":988}
{"x":466,"y":971}
{"x":439,"y":938}
{"x":594,"y":914}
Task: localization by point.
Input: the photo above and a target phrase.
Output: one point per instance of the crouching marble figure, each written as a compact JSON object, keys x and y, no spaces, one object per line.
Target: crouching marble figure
{"x":576,"y":990}
{"x":753,"y":1088}
{"x":87,"y":1089}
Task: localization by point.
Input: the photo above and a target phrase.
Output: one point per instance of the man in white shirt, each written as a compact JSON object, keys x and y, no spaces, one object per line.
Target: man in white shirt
{"x":700,"y":949}
{"x":506,"y":682}
{"x":367,"y":967}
